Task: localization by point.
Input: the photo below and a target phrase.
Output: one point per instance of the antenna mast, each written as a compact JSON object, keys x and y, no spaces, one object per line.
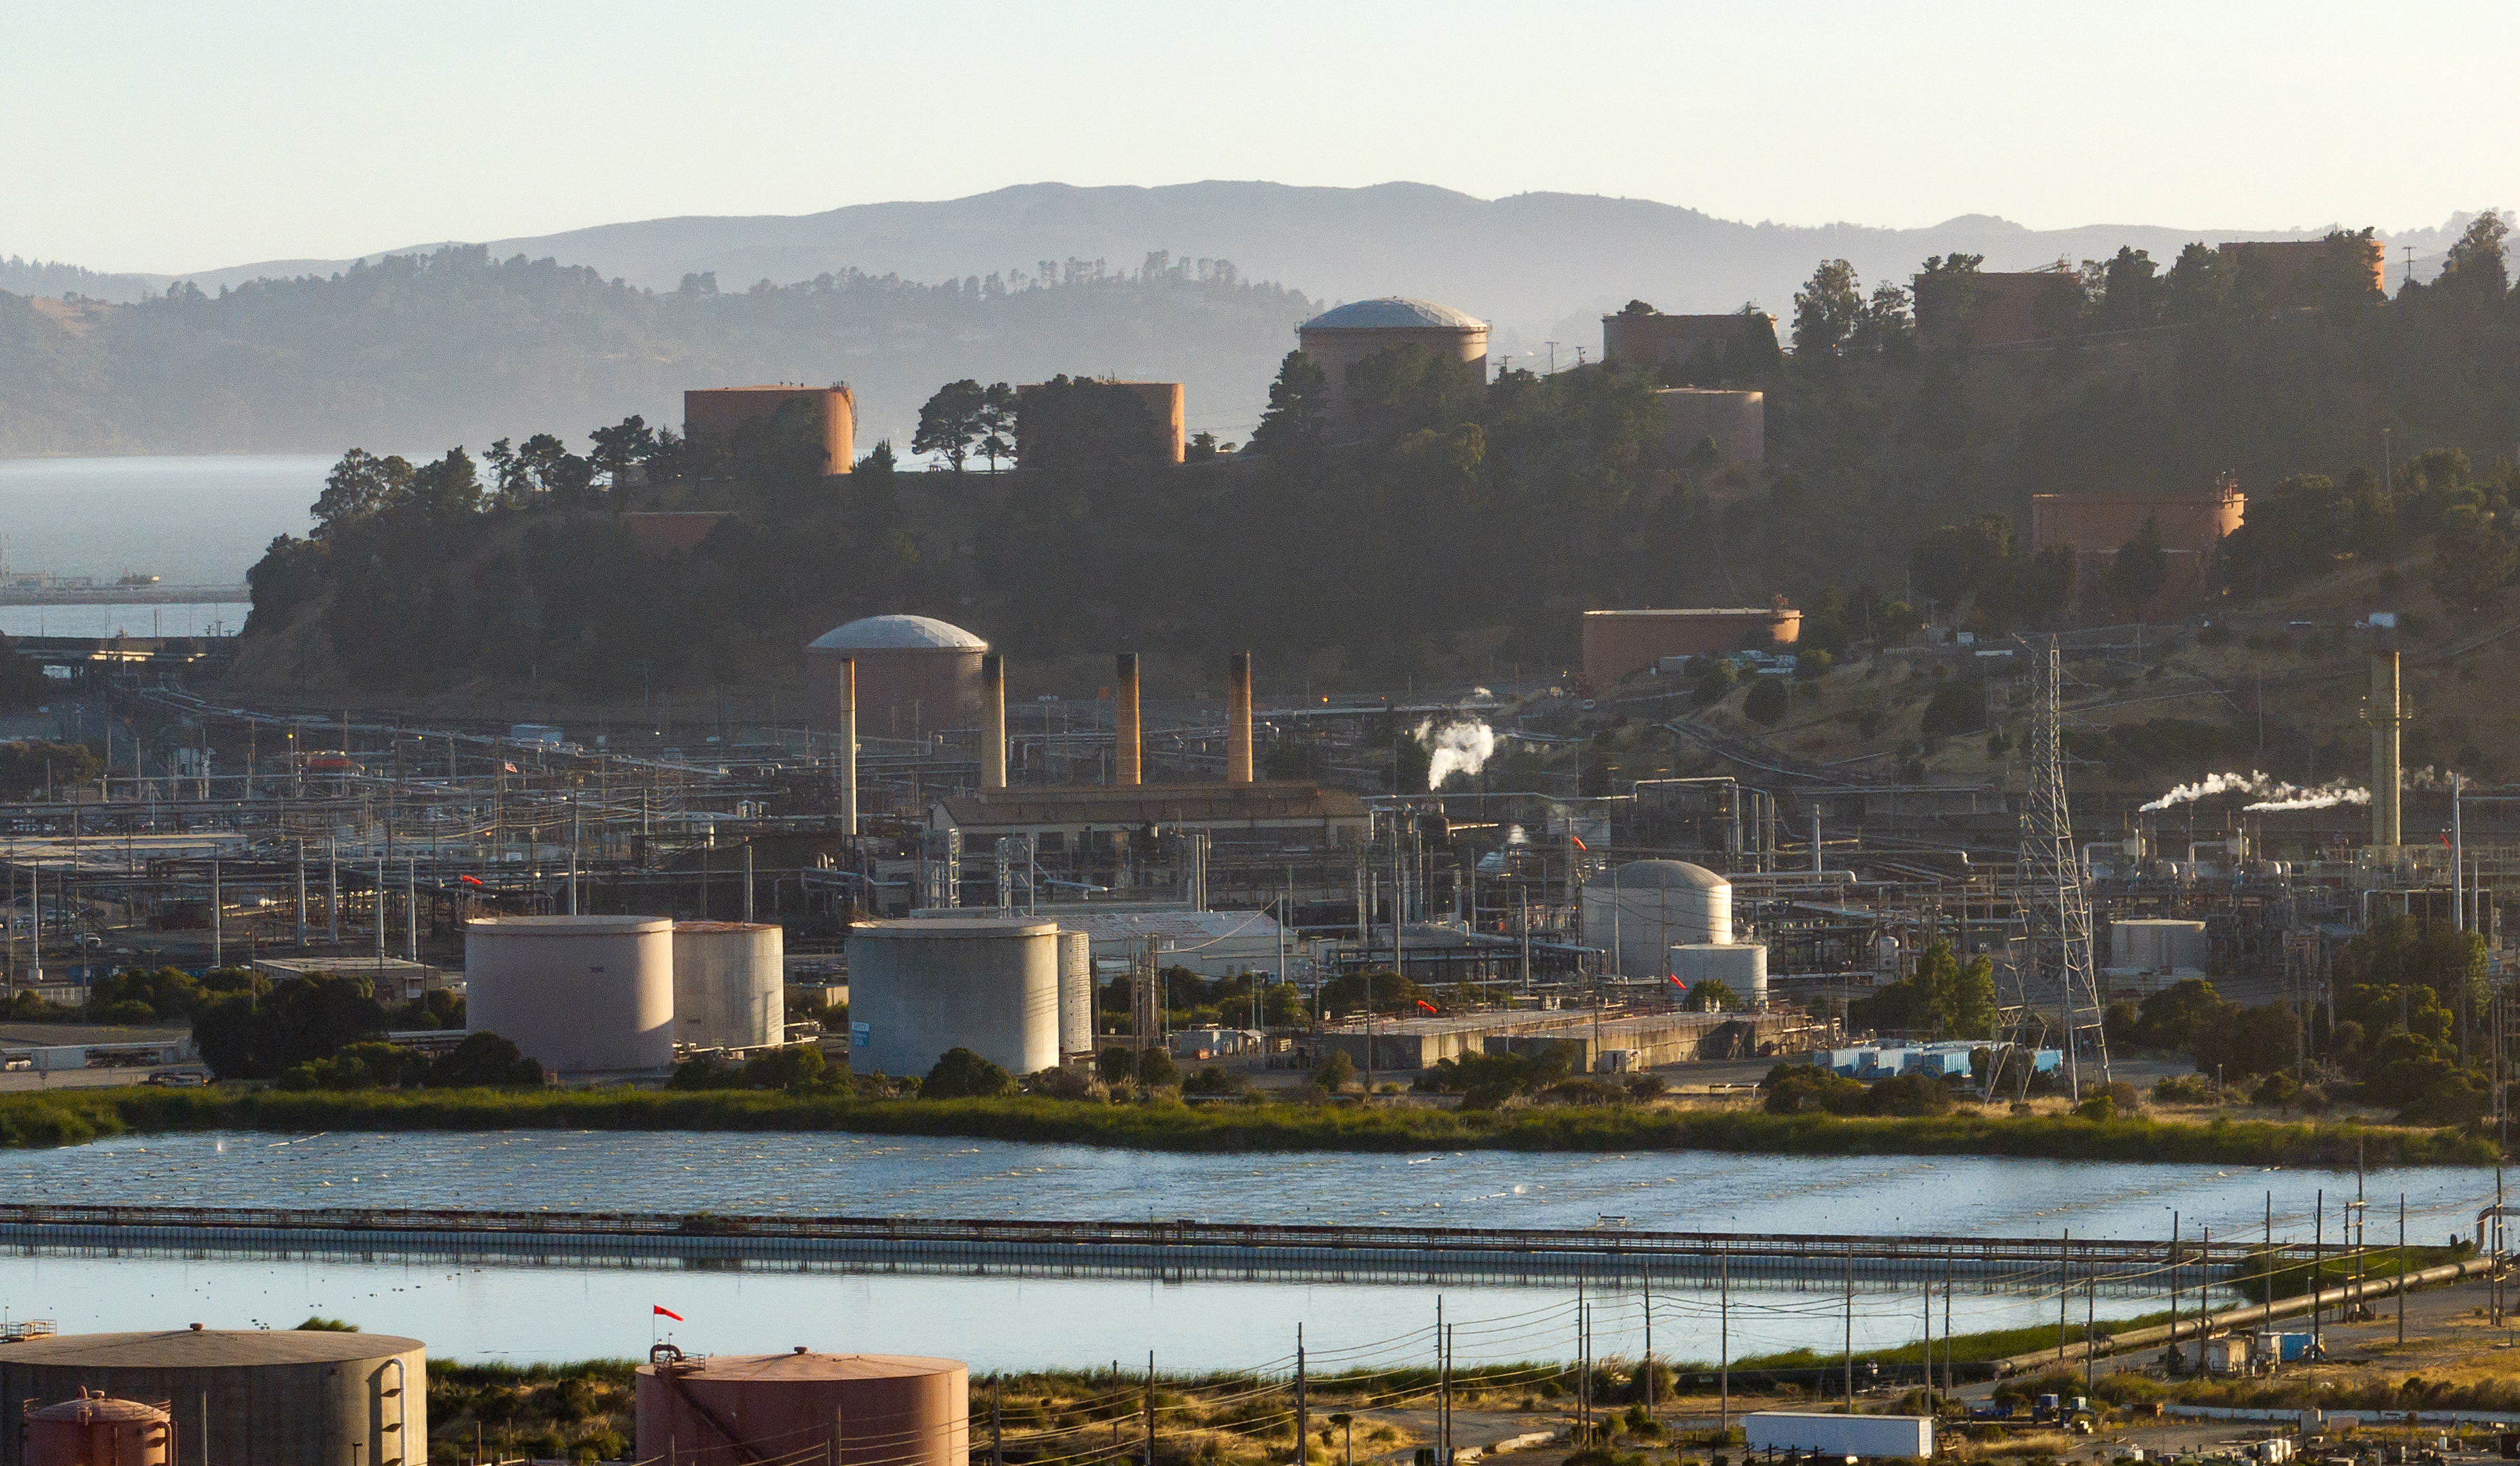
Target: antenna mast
{"x":2056,"y":912}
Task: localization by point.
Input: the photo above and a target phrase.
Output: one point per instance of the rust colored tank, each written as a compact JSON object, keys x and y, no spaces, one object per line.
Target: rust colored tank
{"x":96,"y":1430}
{"x":731,"y":1409}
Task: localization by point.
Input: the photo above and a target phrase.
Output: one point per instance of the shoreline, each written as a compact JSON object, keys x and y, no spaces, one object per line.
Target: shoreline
{"x":58,"y":1118}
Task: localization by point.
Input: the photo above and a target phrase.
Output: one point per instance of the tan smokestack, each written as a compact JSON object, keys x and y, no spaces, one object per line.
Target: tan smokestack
{"x":1238,"y":718}
{"x":993,"y":721}
{"x":847,"y":679}
{"x":2386,"y":716}
{"x":1125,"y":738}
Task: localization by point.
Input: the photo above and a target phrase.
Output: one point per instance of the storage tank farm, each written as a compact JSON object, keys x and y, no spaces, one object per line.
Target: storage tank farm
{"x":729,"y":983}
{"x":847,"y":1410}
{"x":583,"y":994}
{"x":987,"y":984}
{"x":274,"y":1397}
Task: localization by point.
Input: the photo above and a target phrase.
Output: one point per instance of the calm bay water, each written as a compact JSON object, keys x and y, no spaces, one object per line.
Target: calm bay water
{"x":574,"y":1309}
{"x":189,"y":520}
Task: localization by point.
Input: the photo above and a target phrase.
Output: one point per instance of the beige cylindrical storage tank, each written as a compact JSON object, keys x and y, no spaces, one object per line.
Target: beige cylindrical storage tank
{"x":1337,"y":340}
{"x":1658,"y":904}
{"x":918,"y":988}
{"x":1075,"y":993}
{"x":584,"y":994}
{"x":730,"y":983}
{"x":1739,"y":966}
{"x":277,"y":1396}
{"x":915,"y":675}
{"x":735,"y":1409}
{"x":96,"y":1430}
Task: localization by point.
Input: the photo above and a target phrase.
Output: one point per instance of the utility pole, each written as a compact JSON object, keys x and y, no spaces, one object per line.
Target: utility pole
{"x":1724,"y":1343}
{"x":1303,"y":1408}
{"x":1850,"y":1328}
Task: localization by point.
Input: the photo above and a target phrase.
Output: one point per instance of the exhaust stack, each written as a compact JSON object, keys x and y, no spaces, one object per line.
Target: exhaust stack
{"x":993,"y":721}
{"x":1126,"y":742}
{"x":2386,"y":715}
{"x":847,"y":677}
{"x":1238,"y":718}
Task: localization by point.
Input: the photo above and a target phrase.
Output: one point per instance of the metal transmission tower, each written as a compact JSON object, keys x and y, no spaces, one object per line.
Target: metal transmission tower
{"x":2057,"y":913}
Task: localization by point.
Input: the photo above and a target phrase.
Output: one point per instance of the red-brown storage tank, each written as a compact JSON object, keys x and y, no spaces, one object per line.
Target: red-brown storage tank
{"x":730,"y":1409}
{"x":94,"y":1430}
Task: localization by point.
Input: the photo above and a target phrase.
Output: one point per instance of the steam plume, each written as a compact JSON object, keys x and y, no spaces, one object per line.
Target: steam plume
{"x":1456,"y":748}
{"x":2269,"y":792}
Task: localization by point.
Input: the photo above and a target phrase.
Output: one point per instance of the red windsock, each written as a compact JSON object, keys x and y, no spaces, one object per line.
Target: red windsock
{"x":669,"y":1313}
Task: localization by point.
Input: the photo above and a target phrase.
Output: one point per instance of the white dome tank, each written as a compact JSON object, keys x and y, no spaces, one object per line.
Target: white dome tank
{"x":730,"y":982}
{"x":1075,"y":993}
{"x":986,"y":984}
{"x":581,"y":994}
{"x":1658,"y":904}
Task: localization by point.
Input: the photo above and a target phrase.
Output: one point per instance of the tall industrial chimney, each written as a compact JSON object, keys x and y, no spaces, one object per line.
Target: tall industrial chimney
{"x":1238,"y":718}
{"x":2386,"y":715}
{"x":993,"y":721}
{"x":847,"y":678}
{"x":1125,"y":737}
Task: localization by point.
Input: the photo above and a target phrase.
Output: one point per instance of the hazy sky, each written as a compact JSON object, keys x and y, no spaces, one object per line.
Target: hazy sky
{"x":171,"y":137}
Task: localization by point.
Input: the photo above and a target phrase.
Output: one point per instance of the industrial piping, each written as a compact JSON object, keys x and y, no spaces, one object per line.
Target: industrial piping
{"x":993,"y":721}
{"x":847,"y":683}
{"x":2386,"y":715}
{"x":1238,"y":718}
{"x":1125,"y":737}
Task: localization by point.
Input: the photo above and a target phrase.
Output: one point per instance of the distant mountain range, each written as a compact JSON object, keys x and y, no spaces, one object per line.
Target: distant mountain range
{"x":1541,"y":266}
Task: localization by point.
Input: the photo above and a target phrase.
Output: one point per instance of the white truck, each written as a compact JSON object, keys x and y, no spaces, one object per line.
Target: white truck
{"x":1841,"y":1436}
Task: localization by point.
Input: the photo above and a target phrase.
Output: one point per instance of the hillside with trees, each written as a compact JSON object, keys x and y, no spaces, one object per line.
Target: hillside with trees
{"x":461,"y":347}
{"x":1466,"y":525}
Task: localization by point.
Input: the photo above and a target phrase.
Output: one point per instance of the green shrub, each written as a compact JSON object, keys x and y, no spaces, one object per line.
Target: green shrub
{"x":960,"y":1074}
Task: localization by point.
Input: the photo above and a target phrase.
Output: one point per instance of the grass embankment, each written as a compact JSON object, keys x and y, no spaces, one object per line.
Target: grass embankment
{"x":1964,"y":1348}
{"x":72,"y":1117}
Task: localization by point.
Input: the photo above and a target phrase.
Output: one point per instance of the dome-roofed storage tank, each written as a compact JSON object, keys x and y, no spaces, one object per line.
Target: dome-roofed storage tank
{"x":1337,"y":340}
{"x":1075,"y":993}
{"x":96,"y":1430}
{"x":916,"y":674}
{"x":987,"y":984}
{"x":736,"y":1409}
{"x":276,"y":1396}
{"x":730,"y":983}
{"x":1658,"y":904}
{"x":584,"y":994}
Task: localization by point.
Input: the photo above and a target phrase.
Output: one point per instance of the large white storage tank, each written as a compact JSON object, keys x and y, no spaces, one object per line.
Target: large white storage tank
{"x":730,"y":983}
{"x":1075,"y":992}
{"x":1739,"y":966}
{"x":581,"y":994}
{"x":986,"y":984}
{"x":1640,"y":910}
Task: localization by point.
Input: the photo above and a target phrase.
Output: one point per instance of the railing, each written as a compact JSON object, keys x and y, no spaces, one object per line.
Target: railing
{"x":2080,"y":1253}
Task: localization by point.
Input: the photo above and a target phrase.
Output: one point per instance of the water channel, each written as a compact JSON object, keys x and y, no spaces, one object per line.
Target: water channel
{"x":566,"y":1310}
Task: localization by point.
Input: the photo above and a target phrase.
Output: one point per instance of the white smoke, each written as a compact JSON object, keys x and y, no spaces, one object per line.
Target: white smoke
{"x":2294,"y":796}
{"x":2212,"y":785}
{"x":1456,"y":748}
{"x":2268,"y":792}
